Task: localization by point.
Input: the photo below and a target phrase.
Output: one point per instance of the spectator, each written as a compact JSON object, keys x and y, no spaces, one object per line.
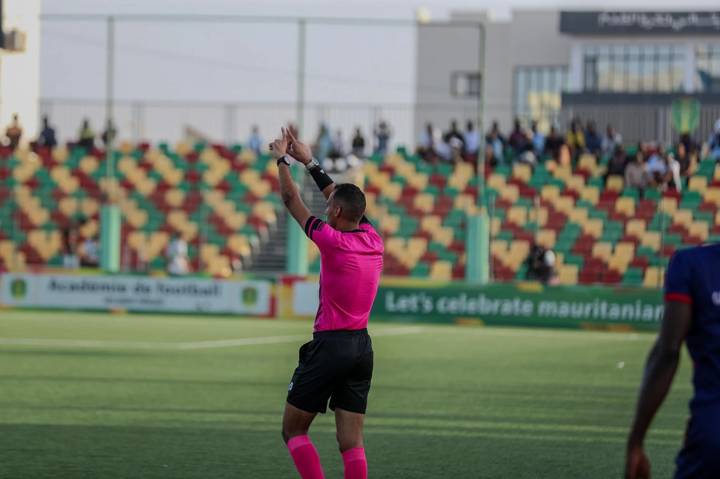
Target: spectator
{"x":636,"y":174}
{"x":86,"y":138}
{"x":538,"y":139}
{"x":47,"y":136}
{"x":358,"y":143}
{"x":454,"y":133}
{"x":684,"y":160}
{"x":426,"y":145}
{"x":90,"y":253}
{"x":323,"y":143}
{"x":255,"y":141}
{"x":593,"y":142}
{"x":657,"y":167}
{"x":472,"y":141}
{"x":618,"y":162}
{"x":575,"y":139}
{"x":611,"y":140}
{"x":691,"y":146}
{"x":714,"y":142}
{"x":108,"y":136}
{"x":519,"y":141}
{"x":553,"y":143}
{"x":69,"y":236}
{"x":177,"y":257}
{"x":382,"y":138}
{"x":494,"y":145}
{"x":672,"y":179}
{"x":14,"y":132}
{"x":540,"y":264}
{"x":338,"y":146}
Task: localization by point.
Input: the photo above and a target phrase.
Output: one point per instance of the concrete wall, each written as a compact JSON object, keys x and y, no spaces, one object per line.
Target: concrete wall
{"x":20,"y":72}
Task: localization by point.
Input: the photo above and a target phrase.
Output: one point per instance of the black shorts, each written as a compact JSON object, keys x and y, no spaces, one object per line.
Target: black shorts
{"x":335,"y":365}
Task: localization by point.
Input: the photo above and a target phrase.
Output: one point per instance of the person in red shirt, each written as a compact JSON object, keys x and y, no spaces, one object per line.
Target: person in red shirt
{"x":336,"y":366}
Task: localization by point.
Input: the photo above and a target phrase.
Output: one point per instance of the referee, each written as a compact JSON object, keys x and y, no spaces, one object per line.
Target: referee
{"x":336,"y":366}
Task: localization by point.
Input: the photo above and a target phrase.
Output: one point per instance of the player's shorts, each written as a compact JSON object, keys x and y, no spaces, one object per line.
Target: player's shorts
{"x":335,"y":366}
{"x":700,"y":456}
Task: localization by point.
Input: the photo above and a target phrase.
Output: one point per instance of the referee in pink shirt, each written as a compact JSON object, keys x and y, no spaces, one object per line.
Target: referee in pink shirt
{"x":337,"y":364}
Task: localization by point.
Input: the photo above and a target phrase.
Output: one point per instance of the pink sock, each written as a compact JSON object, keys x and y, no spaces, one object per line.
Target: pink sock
{"x":306,"y":458}
{"x":355,"y":463}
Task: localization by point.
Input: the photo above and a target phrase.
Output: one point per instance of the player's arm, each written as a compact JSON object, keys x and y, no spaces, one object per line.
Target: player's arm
{"x":302,"y":153}
{"x":660,"y":368}
{"x":288,"y":190}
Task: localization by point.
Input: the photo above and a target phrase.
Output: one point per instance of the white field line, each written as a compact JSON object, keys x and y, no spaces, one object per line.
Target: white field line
{"x":182,"y":346}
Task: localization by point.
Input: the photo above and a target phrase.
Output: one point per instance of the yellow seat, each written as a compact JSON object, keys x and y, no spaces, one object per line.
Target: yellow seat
{"x":546,"y":238}
{"x":522,"y":172}
{"x":602,"y":250}
{"x":517,"y":215}
{"x":441,"y":270}
{"x":591,"y":194}
{"x":712,"y":195}
{"x":615,"y":183}
{"x":668,"y":205}
{"x":550,"y":192}
{"x":651,"y":239}
{"x":593,"y":227}
{"x":625,"y":205}
{"x":510,"y":193}
{"x":697,"y":183}
{"x":578,"y":215}
{"x":568,"y":274}
{"x":576,"y":183}
{"x":699,"y":229}
{"x":565,"y":204}
{"x":635,"y":227}
{"x":587,"y":162}
{"x":683,"y":217}
{"x":498,"y":246}
{"x":619,"y":264}
{"x":654,"y":277}
{"x":495,"y":181}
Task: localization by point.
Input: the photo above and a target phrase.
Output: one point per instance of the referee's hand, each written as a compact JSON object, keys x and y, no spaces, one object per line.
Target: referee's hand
{"x":278,"y":148}
{"x":299,"y":150}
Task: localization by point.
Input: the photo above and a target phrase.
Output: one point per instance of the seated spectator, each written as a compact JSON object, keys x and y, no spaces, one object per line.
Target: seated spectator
{"x":426,"y":146}
{"x":358,"y":143}
{"x":454,"y":133}
{"x":714,"y":142}
{"x":636,"y":174}
{"x":108,"y":136}
{"x":472,"y":141}
{"x":90,"y":253}
{"x":382,"y":138}
{"x":338,"y":146}
{"x":69,"y":235}
{"x":519,"y":141}
{"x":611,"y":140}
{"x":540,"y":264}
{"x":47,"y":136}
{"x":673,"y":178}
{"x":255,"y":142}
{"x":575,"y":139}
{"x":14,"y":133}
{"x":538,"y":139}
{"x":593,"y":142}
{"x":323,"y":143}
{"x":617,"y":163}
{"x":494,"y":145}
{"x":176,"y":254}
{"x":86,"y":137}
{"x":553,"y":143}
{"x":657,"y":167}
{"x":684,"y":160}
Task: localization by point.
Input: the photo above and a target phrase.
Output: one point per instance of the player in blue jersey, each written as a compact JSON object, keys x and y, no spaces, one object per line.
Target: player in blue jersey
{"x":692,"y":315}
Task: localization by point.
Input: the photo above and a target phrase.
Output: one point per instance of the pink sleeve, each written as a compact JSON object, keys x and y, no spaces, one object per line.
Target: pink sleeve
{"x":320,"y":233}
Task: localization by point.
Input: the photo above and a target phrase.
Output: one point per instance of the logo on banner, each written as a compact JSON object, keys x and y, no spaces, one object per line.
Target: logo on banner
{"x":18,"y":288}
{"x":249,"y":296}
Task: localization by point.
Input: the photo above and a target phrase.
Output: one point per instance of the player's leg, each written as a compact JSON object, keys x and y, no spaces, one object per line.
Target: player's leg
{"x":295,"y":426}
{"x":350,"y":441}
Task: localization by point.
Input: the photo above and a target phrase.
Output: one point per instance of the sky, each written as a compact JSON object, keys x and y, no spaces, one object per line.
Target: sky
{"x":250,"y":63}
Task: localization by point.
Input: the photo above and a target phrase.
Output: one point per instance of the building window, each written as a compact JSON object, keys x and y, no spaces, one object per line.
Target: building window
{"x":633,"y":68}
{"x":538,"y":93}
{"x":707,"y":70}
{"x":465,"y":84}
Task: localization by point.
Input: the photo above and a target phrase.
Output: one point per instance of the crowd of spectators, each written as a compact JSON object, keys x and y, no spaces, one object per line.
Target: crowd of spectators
{"x":453,"y":145}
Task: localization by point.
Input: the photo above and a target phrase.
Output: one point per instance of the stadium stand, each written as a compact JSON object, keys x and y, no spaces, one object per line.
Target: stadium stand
{"x":223,"y":202}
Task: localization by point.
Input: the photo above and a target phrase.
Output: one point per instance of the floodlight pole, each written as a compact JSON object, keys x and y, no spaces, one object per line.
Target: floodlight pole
{"x":300,"y":106}
{"x":109,"y":94}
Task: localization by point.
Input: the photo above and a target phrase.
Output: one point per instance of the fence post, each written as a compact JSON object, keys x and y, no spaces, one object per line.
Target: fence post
{"x":477,"y":248}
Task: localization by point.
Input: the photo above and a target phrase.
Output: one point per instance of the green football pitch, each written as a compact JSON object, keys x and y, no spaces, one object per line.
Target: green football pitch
{"x":129,"y":396}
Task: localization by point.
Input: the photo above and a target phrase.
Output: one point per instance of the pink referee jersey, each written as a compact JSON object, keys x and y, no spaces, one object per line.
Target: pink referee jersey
{"x":351,"y":263}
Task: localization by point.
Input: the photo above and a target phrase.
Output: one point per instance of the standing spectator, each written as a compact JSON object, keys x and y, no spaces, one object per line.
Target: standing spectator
{"x":177,"y":256}
{"x":472,"y":141}
{"x":47,"y":136}
{"x":519,"y":141}
{"x":673,"y":179}
{"x":575,"y":139}
{"x":358,"y":143}
{"x":691,"y":146}
{"x":338,"y":145}
{"x":538,"y":139}
{"x":636,"y":174}
{"x":323,"y":143}
{"x":553,"y":143}
{"x":611,"y":140}
{"x":255,"y":141}
{"x":714,"y":142}
{"x":617,"y":164}
{"x":382,"y":138}
{"x":14,"y":133}
{"x":108,"y":136}
{"x":86,"y":138}
{"x":426,"y":145}
{"x":494,"y":145}
{"x":593,"y":142}
{"x":90,"y":253}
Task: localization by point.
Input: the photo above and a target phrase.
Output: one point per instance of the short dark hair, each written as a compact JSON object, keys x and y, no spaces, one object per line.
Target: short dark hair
{"x":352,"y":201}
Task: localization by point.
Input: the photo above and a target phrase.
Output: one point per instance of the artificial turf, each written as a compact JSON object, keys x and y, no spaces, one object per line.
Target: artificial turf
{"x":129,"y":396}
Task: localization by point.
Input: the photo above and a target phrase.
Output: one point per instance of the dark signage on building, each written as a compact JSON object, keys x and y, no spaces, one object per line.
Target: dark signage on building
{"x":640,"y":23}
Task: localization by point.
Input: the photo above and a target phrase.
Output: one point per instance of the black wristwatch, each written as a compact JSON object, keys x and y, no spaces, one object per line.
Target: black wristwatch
{"x":283,"y":159}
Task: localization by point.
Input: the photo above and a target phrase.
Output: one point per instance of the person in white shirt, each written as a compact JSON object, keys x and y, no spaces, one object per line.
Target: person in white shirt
{"x":472,"y":139}
{"x":177,"y":257}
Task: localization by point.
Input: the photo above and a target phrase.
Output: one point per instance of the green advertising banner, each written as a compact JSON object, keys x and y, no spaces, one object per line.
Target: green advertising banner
{"x":522,"y":304}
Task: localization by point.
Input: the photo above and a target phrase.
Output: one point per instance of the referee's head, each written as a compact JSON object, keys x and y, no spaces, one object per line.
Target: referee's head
{"x":346,"y":206}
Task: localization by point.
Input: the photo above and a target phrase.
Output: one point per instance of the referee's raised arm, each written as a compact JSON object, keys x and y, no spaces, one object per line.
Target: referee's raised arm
{"x":288,"y":190}
{"x":302,"y":153}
